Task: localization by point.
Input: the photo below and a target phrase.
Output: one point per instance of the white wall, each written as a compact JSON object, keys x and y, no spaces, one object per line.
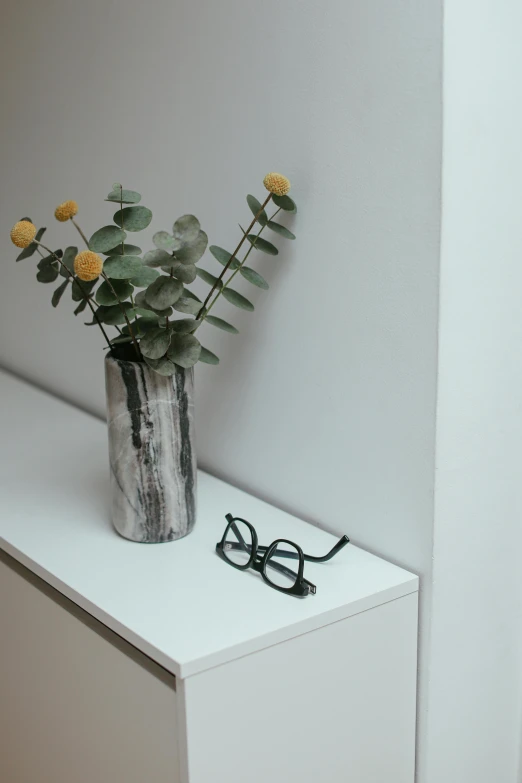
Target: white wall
{"x":475,"y":659}
{"x":325,"y":402}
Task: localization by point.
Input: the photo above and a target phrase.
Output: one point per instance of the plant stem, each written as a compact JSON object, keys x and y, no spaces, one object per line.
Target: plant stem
{"x":82,"y":289}
{"x":241,"y":265}
{"x":232,"y":257}
{"x":78,"y":229}
{"x":136,"y":346}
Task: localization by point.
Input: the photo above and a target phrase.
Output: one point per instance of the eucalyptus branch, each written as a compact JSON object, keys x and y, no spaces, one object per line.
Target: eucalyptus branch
{"x":241,"y":265}
{"x":233,"y":257}
{"x":82,"y":289}
{"x":124,"y":312}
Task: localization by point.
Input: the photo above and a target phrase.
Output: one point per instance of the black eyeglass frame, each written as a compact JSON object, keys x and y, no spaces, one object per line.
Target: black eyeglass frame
{"x":260,"y":555}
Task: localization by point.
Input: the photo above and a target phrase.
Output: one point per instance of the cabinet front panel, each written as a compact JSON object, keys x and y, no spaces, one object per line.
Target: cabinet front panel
{"x":77,"y":704}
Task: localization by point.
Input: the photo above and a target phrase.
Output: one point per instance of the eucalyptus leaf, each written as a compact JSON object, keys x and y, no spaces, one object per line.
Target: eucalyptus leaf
{"x":141,"y":326}
{"x":68,"y":261}
{"x":122,"y":289}
{"x":285,"y":202}
{"x":148,"y":314}
{"x":81,"y":307}
{"x":187,"y":305}
{"x":184,"y":325}
{"x":122,"y":267}
{"x":57,"y":295}
{"x":165,"y":241}
{"x":121,"y":339}
{"x":188,"y":293}
{"x":162,"y":366}
{"x":281,"y":230}
{"x":221,"y":324}
{"x":155,"y":343}
{"x":163,"y":292}
{"x":28,"y":251}
{"x":123,"y":196}
{"x":48,"y":270}
{"x":173,"y":266}
{"x":157,"y":258}
{"x":79,"y":287}
{"x":186,"y":229}
{"x":106,"y":238}
{"x":207,"y":356}
{"x":255,"y":207}
{"x":223,"y":256}
{"x":133,"y":218}
{"x":190,"y":254}
{"x":209,"y":278}
{"x":254,"y":277}
{"x":262,"y":244}
{"x":185,"y":272}
{"x":113,"y":314}
{"x":237,"y":299}
{"x":123,"y":250}
{"x":184,"y":350}
{"x":145,"y":277}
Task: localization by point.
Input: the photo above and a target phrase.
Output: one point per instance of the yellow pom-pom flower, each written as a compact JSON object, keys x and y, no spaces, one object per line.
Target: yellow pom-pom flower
{"x":88,"y":265}
{"x":23,"y":233}
{"x":66,"y":211}
{"x":277,"y":184}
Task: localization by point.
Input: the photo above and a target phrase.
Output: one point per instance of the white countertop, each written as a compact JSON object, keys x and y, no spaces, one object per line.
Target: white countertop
{"x":178,"y":602}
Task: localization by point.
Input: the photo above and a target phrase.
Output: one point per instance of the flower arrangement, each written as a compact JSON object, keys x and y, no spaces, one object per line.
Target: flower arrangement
{"x":137,"y":295}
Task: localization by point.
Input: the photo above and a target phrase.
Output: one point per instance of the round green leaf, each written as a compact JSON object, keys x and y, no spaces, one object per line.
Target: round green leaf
{"x":254,"y":277}
{"x":104,"y":295}
{"x":128,"y":250}
{"x":163,"y":292}
{"x":186,"y":229}
{"x":184,"y":325}
{"x":188,"y":293}
{"x":120,"y":339}
{"x":207,"y":356}
{"x":162,"y":366}
{"x":48,"y":270}
{"x":80,"y":288}
{"x":143,"y":306}
{"x":113,"y":315}
{"x":208,"y":278}
{"x":68,"y":261}
{"x":187,"y":305}
{"x":57,"y":295}
{"x":255,"y":207}
{"x":122,"y":267}
{"x":106,"y":238}
{"x":165,"y":241}
{"x":141,"y":326}
{"x":221,"y":324}
{"x":81,"y":307}
{"x":133,"y":218}
{"x":281,"y":230}
{"x":223,"y":256}
{"x":190,"y":254}
{"x":157,"y":258}
{"x":124,"y":196}
{"x":285,"y":202}
{"x":262,"y":244}
{"x":184,"y":350}
{"x":155,"y":343}
{"x":185,"y":272}
{"x":145,"y":277}
{"x":237,"y":299}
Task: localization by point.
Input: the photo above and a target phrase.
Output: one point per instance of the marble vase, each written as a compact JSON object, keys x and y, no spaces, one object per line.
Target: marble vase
{"x":152,"y":451}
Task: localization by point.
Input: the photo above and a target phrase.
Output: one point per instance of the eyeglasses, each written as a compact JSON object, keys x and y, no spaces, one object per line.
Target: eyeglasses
{"x":239,"y":547}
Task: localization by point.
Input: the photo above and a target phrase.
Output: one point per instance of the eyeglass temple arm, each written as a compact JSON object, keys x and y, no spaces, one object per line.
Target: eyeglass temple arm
{"x":311,"y":558}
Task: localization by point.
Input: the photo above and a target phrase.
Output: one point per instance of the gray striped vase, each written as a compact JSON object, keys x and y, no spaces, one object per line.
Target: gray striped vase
{"x":152,"y":451}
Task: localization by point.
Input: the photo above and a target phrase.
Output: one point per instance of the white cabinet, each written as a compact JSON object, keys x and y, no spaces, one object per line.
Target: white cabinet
{"x":133,"y":663}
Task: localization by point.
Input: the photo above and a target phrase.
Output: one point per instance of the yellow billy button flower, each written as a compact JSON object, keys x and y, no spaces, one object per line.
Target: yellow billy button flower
{"x":66,"y":211}
{"x":277,"y":184}
{"x":88,"y":265}
{"x":23,"y":233}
